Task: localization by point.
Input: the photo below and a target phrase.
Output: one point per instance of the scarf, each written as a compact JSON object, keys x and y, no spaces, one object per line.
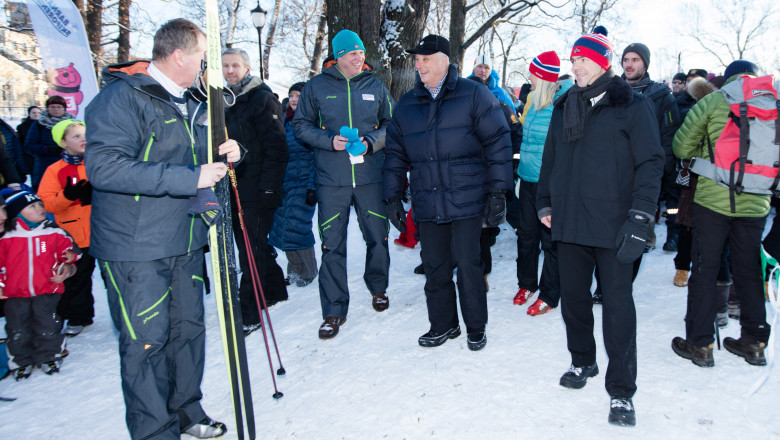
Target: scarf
{"x":238,"y":87}
{"x":577,"y":105}
{"x":290,"y":114}
{"x":642,"y":84}
{"x":72,"y":159}
{"x":49,"y":121}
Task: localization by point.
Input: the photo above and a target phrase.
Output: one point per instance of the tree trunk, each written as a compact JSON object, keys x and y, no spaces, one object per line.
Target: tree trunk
{"x":123,"y":48}
{"x":457,"y":33}
{"x":316,"y":57}
{"x":410,"y":20}
{"x":95,"y":31}
{"x":363,"y":19}
{"x":269,"y":39}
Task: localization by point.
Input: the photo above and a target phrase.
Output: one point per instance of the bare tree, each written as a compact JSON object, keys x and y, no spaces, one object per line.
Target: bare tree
{"x":438,"y":22}
{"x":729,"y":30}
{"x":319,"y":40}
{"x":591,"y":12}
{"x":94,"y":27}
{"x":123,"y":41}
{"x":402,"y":27}
{"x":269,"y":40}
{"x":300,"y":36}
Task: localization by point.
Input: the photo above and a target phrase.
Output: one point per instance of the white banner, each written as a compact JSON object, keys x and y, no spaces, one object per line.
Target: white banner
{"x":64,"y":49}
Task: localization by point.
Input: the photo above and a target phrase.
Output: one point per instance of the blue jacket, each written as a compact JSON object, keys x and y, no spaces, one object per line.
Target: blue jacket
{"x":330,"y":101}
{"x":40,"y":144}
{"x":494,"y":84}
{"x":535,"y":127}
{"x":292,"y":228}
{"x":143,"y":159}
{"x":457,"y":146}
{"x":13,"y":147}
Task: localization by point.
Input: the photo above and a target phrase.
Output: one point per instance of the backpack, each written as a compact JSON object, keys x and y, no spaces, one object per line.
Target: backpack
{"x":747,"y":153}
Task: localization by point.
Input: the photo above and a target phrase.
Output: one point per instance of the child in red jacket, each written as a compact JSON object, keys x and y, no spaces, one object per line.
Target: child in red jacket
{"x":34,"y":261}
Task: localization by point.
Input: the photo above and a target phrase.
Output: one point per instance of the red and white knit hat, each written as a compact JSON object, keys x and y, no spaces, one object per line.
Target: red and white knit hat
{"x":596,"y":47}
{"x":546,"y":66}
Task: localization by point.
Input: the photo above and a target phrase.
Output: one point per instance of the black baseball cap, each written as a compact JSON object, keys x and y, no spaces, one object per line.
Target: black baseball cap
{"x":432,"y":44}
{"x":697,"y":72}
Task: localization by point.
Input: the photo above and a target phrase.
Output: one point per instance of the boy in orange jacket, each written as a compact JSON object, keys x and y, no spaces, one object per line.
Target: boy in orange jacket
{"x":67,"y":194}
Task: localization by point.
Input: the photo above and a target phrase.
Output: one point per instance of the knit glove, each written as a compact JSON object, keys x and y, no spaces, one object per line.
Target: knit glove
{"x":396,"y":213}
{"x":311,"y":197}
{"x":354,"y":146}
{"x":495,"y":208}
{"x":635,"y":234}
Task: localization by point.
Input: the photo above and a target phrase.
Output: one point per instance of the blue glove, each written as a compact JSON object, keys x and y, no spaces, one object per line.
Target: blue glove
{"x":355,"y":146}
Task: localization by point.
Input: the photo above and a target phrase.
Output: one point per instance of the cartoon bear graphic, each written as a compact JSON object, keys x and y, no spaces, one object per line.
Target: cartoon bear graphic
{"x":66,"y":82}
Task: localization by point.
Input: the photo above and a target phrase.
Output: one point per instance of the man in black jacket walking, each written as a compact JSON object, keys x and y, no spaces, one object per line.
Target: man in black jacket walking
{"x":255,"y":121}
{"x":453,"y":136}
{"x":598,"y":189}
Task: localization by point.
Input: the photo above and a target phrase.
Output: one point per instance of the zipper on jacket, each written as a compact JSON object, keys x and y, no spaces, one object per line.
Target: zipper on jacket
{"x":146,"y":157}
{"x":30,"y":265}
{"x":194,"y":162}
{"x":349,"y":112}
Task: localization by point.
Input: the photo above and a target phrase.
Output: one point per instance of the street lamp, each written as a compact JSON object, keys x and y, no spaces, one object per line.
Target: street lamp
{"x":258,"y":19}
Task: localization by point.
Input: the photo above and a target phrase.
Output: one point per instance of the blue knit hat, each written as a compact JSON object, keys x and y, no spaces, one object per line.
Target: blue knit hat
{"x":18,"y":200}
{"x":346,"y":41}
{"x":740,"y":66}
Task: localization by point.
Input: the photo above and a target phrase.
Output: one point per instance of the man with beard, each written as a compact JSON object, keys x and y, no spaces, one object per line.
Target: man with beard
{"x":636,"y":60}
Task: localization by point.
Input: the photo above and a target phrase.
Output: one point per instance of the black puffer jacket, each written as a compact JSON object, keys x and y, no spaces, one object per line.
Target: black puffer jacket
{"x":457,"y":145}
{"x":616,"y":166}
{"x":143,"y":159}
{"x":668,"y":117}
{"x":255,"y":121}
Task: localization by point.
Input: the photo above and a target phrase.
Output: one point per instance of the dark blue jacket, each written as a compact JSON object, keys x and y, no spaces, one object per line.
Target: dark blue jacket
{"x":143,"y":159}
{"x":40,"y":144}
{"x":292,"y":229}
{"x":457,"y":145}
{"x":13,"y":147}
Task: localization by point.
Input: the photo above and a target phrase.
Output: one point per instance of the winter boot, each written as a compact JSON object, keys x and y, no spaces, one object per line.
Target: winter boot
{"x":621,"y":412}
{"x":538,"y":308}
{"x":330,"y":327}
{"x":379,"y":301}
{"x":51,"y":367}
{"x":207,"y":428}
{"x":250,"y":328}
{"x":681,"y":278}
{"x":745,"y":347}
{"x":701,"y":356}
{"x":419,"y":270}
{"x":671,"y":242}
{"x":23,"y":372}
{"x":577,"y":377}
{"x":522,"y":296}
{"x":434,"y":339}
{"x":476,"y":340}
{"x":73,"y":330}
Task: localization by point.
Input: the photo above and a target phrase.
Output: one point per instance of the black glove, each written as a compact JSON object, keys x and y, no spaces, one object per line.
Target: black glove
{"x":635,"y":234}
{"x":268,"y":199}
{"x":85,"y":189}
{"x":311,"y":197}
{"x":396,"y":213}
{"x":515,"y":165}
{"x":495,"y":208}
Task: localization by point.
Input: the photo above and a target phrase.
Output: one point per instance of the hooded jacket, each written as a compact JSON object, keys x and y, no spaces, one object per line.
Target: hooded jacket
{"x":457,"y":146}
{"x":494,"y":84}
{"x":255,"y":121}
{"x":591,"y":184}
{"x":142,"y":159}
{"x":330,"y":101}
{"x":71,"y":215}
{"x":535,"y":126}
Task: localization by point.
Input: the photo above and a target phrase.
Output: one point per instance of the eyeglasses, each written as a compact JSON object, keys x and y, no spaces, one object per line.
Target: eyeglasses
{"x":677,"y":82}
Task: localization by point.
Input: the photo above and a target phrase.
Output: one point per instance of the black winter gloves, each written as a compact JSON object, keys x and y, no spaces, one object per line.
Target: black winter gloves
{"x":268,"y":199}
{"x":396,"y":213}
{"x":79,"y":191}
{"x":495,"y":208}
{"x":311,"y":197}
{"x":635,"y":234}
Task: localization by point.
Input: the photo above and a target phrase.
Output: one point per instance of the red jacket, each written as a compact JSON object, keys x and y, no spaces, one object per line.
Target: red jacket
{"x":28,"y":258}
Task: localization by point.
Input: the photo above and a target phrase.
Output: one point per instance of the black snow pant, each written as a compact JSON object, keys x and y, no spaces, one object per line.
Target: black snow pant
{"x":33,"y":329}
{"x":670,"y":193}
{"x":530,"y":233}
{"x":710,"y":232}
{"x":333,"y":207}
{"x":258,"y":224}
{"x":443,"y":246}
{"x":157,"y":306}
{"x":77,"y":304}
{"x":618,"y":313}
{"x":487,"y":239}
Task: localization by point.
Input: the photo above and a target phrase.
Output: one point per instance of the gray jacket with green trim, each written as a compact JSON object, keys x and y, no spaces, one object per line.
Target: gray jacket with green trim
{"x":330,"y":101}
{"x":142,"y":159}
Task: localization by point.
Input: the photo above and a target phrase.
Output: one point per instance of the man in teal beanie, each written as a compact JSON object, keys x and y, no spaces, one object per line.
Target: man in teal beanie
{"x":346,"y":99}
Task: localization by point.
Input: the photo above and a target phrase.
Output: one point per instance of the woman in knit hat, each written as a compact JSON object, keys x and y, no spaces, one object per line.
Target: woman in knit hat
{"x":292,"y":227}
{"x":545,"y":89}
{"x":39,"y":141}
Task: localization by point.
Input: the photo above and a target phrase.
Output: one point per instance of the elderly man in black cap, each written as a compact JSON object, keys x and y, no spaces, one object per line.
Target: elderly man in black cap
{"x":453,"y":136}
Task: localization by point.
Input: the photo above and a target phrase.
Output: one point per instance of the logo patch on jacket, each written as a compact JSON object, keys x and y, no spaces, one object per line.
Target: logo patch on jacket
{"x":368,"y":97}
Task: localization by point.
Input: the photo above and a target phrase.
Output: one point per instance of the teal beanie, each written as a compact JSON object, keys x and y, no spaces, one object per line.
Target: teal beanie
{"x":346,"y":41}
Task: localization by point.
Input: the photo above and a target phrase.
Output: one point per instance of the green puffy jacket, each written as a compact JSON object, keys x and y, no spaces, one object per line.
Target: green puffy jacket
{"x":709,"y":116}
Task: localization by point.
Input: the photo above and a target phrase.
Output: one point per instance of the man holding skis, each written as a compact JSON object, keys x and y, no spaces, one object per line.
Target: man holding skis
{"x":146,"y":158}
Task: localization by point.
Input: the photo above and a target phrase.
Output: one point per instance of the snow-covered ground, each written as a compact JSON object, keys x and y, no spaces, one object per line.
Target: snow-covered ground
{"x":374,"y":382}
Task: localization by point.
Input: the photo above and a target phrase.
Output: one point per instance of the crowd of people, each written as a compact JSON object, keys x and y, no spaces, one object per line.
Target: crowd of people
{"x":582,"y":170}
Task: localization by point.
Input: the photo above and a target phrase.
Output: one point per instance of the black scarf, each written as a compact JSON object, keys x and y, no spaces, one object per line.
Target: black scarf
{"x":640,"y":85}
{"x":238,"y":87}
{"x":578,"y":103}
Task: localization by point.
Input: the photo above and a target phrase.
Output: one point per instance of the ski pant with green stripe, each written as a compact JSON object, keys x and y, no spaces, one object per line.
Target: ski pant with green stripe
{"x":333,"y":211}
{"x":157,"y":306}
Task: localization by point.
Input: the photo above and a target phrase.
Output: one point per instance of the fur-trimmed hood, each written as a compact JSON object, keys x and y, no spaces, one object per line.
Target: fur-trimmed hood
{"x":698,"y":88}
{"x":619,"y":93}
